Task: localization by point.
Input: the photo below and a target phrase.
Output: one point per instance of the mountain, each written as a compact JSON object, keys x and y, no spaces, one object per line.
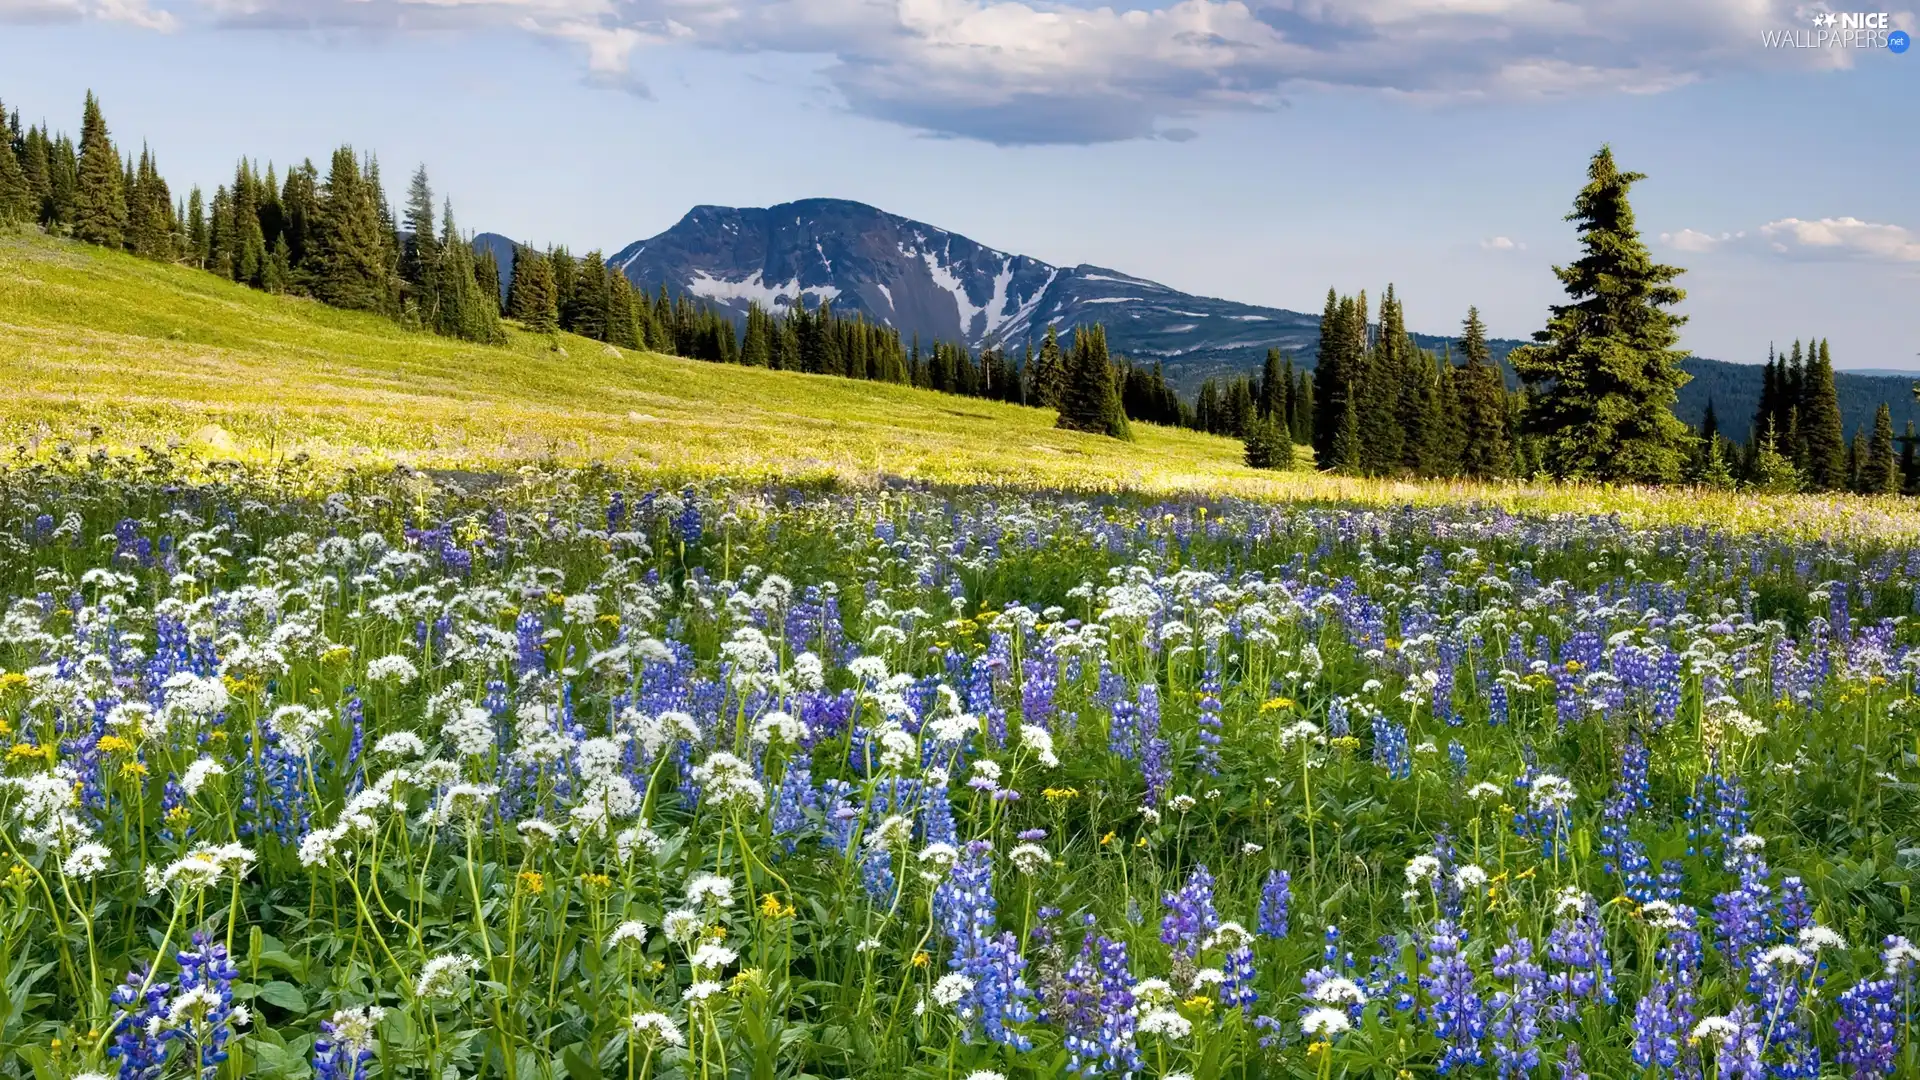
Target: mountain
{"x":926,"y":281}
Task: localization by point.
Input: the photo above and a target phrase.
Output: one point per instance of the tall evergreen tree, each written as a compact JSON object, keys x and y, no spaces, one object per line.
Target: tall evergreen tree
{"x":1090,"y":399}
{"x":1820,"y":427}
{"x":348,"y":248}
{"x":1274,"y":385}
{"x":536,"y":300}
{"x":1330,"y":379}
{"x":199,"y":241}
{"x":585,"y":312}
{"x":420,"y":255}
{"x":1605,"y":372}
{"x":1484,"y":451}
{"x":1879,"y":474}
{"x":1907,"y":463}
{"x":16,"y":197}
{"x":1047,"y":379}
{"x":99,"y":192}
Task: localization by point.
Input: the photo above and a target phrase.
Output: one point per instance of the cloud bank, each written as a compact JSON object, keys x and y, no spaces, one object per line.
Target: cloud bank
{"x":1017,"y":72}
{"x":1826,"y":239}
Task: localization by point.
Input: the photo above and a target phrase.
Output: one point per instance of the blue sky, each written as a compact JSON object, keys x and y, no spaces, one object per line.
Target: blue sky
{"x":1250,"y":150}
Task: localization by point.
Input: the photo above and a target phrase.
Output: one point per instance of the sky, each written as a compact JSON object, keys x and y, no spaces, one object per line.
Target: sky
{"x":1256,"y":150}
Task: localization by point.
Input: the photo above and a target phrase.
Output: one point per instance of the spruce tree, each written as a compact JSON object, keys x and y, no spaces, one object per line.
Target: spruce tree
{"x":1484,"y":451}
{"x":16,"y":198}
{"x":757,"y":349}
{"x":1445,"y":434}
{"x":1273,"y":387}
{"x":1049,"y":369}
{"x":1772,"y":470}
{"x":535,"y":302}
{"x":1907,"y":440}
{"x":1880,"y":474}
{"x":1267,"y":444}
{"x":1089,"y":397}
{"x":199,"y":241}
{"x":1329,"y":379}
{"x":586,"y":308}
{"x":1605,"y":372}
{"x":36,"y":165}
{"x":99,"y":191}
{"x":419,"y":254}
{"x":348,"y":249}
{"x":1820,"y":428}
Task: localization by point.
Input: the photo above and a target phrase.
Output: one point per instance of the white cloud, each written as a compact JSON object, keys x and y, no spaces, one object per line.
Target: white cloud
{"x":1826,"y":239}
{"x":1501,"y":243}
{"x":136,"y":12}
{"x":1844,"y":237}
{"x":1052,"y":71}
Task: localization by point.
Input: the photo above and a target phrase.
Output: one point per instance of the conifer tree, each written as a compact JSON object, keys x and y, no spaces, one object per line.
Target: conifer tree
{"x":99,"y":191}
{"x":1048,"y":375}
{"x":486,"y":271}
{"x":1879,"y":474}
{"x":535,"y":301}
{"x":1267,"y":444}
{"x":16,"y":198}
{"x":1445,"y":437}
{"x":1330,"y":379}
{"x":757,"y":348}
{"x":1089,"y":398}
{"x":586,"y":308}
{"x":348,"y":249}
{"x":1907,"y":477}
{"x":1605,"y":372}
{"x":1484,"y":450}
{"x":1826,"y":445}
{"x":419,"y":253}
{"x":1274,"y":385}
{"x":36,"y":165}
{"x":249,"y":241}
{"x":1772,"y":470}
{"x":622,"y":329}
{"x":199,"y":241}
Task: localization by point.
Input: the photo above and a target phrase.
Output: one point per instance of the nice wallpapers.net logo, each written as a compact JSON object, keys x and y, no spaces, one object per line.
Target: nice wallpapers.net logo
{"x":1842,"y":30}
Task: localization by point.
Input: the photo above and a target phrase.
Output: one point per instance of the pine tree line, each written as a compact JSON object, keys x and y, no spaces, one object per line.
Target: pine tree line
{"x":331,"y":237}
{"x":1797,"y":442}
{"x":1380,"y":405}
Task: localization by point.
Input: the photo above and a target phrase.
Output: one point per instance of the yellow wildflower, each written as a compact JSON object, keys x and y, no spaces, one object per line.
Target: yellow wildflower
{"x":1276,"y":704}
{"x":113,"y":744}
{"x":921,"y":959}
{"x":533,"y":881}
{"x":1199,"y":1003}
{"x":133,"y":770}
{"x":596,"y":881}
{"x":11,"y":681}
{"x":1107,"y":839}
{"x":609,"y":619}
{"x":1055,"y":794}
{"x":26,"y":751}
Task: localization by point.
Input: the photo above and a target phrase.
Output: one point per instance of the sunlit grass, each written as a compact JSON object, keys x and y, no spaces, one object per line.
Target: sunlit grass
{"x":106,"y":351}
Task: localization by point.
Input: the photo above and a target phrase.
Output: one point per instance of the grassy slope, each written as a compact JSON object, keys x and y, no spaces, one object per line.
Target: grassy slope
{"x":104,"y":349}
{"x":150,"y":353}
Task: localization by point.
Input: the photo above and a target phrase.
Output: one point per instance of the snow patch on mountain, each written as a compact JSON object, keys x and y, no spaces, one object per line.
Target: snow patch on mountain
{"x":752,"y":290}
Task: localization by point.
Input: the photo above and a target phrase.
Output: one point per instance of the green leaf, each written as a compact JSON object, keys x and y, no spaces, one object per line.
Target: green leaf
{"x":285,"y":995}
{"x":578,"y":1067}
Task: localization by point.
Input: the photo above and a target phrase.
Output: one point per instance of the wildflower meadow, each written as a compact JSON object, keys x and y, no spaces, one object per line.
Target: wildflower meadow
{"x":576,"y":775}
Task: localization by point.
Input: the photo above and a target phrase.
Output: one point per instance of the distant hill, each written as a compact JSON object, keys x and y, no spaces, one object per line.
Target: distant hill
{"x":927,"y":281}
